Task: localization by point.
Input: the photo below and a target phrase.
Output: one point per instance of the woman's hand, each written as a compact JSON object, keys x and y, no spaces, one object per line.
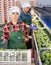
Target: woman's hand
{"x":26,"y":39}
{"x":33,"y":27}
{"x":27,"y":26}
{"x":4,"y":41}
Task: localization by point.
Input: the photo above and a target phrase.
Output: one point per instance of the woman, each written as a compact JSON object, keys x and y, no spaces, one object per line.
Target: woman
{"x":15,"y":32}
{"x":25,"y":15}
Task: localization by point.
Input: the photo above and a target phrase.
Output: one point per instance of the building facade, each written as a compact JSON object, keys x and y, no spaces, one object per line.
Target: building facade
{"x":2,"y":19}
{"x":5,"y":6}
{"x":10,"y":3}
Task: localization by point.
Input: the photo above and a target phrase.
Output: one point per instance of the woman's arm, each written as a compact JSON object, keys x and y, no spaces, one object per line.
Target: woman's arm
{"x":5,"y":35}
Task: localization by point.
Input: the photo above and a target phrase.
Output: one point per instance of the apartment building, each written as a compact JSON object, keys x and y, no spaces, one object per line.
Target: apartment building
{"x":2,"y":20}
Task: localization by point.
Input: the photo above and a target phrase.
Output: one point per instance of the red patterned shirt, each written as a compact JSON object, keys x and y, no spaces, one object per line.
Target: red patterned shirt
{"x":6,"y":29}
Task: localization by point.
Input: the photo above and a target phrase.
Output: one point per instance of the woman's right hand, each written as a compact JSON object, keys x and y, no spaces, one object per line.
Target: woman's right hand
{"x":26,"y":39}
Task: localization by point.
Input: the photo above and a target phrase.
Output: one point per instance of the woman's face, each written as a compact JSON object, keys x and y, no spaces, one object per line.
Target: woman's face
{"x":26,"y":9}
{"x":14,"y":16}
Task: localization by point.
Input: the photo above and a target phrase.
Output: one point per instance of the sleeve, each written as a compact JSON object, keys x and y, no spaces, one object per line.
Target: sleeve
{"x":26,"y":32}
{"x":30,"y":19}
{"x":5,"y":33}
{"x":25,"y":28}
